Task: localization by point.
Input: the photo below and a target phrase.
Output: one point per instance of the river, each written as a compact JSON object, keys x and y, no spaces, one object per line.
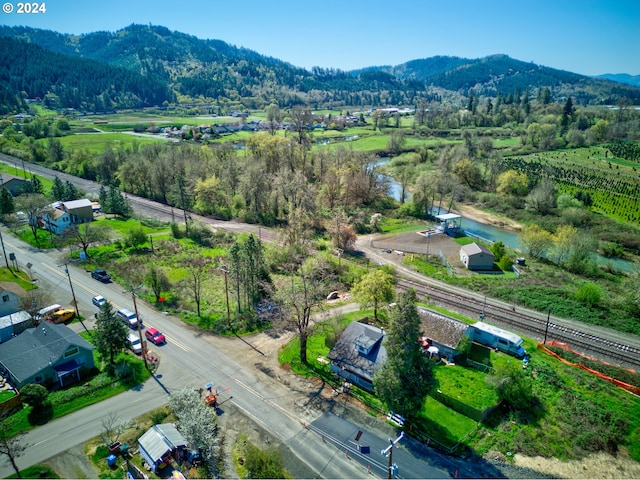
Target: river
{"x":483,"y":231}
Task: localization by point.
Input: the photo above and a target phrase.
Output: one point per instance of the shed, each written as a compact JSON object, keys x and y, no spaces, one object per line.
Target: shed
{"x":160,"y":443}
{"x":358,"y":354}
{"x":476,"y":257}
{"x":14,"y":324}
{"x":442,"y":332}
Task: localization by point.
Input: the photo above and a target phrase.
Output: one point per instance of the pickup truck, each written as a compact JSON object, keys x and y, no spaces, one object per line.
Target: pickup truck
{"x":101,"y":276}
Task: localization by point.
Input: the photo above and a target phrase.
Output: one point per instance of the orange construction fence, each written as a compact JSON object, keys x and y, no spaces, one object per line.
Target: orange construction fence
{"x":630,"y":388}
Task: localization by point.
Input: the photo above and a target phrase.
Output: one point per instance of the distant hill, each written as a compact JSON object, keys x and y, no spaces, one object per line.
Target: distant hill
{"x":488,"y":75}
{"x":622,"y":78}
{"x":145,"y":65}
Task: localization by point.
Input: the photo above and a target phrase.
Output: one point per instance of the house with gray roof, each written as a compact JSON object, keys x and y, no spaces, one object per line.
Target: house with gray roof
{"x":15,"y":185}
{"x":64,"y":214}
{"x":441,"y":332}
{"x":46,"y":354}
{"x":358,"y":354}
{"x":160,"y":444}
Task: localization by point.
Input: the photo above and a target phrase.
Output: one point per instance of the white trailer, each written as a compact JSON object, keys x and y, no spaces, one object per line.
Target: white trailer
{"x":497,"y":338}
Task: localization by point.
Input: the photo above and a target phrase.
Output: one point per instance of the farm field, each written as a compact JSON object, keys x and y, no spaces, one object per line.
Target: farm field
{"x":612,"y":183}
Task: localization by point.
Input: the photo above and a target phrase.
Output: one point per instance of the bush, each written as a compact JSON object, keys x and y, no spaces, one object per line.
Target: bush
{"x":505,"y":263}
{"x":34,"y":395}
{"x":590,"y":294}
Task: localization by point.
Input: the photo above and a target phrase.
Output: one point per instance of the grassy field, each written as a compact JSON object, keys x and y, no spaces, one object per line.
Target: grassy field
{"x":95,"y":143}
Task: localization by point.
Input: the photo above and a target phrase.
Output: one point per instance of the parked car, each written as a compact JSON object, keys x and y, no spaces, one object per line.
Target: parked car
{"x":101,"y":275}
{"x":61,"y":316}
{"x":98,"y":300}
{"x":154,"y":336}
{"x":128,"y":317}
{"x":47,"y":311}
{"x":134,"y":343}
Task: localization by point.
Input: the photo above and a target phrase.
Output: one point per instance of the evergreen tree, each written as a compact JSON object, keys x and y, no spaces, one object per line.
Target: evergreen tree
{"x":406,"y":377}
{"x":110,"y":336}
{"x":6,"y":202}
{"x":71,"y":192}
{"x":57,"y":192}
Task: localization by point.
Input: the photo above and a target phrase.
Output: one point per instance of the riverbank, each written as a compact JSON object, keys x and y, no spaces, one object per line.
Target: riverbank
{"x":487,"y":218}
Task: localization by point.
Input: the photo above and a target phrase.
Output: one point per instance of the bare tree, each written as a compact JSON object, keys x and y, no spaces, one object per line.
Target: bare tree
{"x":112,"y":428}
{"x":11,"y":446}
{"x":85,"y":235}
{"x":157,"y":279}
{"x":199,"y":269}
{"x":306,"y":294}
{"x":34,"y":205}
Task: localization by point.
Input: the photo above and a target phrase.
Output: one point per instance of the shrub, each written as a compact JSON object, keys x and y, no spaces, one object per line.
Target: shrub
{"x":505,"y":263}
{"x":34,"y":394}
{"x":589,"y":294}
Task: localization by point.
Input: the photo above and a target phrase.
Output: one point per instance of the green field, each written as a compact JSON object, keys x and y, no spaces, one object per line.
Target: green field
{"x":95,"y":143}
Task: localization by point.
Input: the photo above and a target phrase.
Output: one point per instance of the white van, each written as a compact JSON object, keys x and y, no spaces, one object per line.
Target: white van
{"x":134,"y":343}
{"x":128,"y":317}
{"x":47,"y":311}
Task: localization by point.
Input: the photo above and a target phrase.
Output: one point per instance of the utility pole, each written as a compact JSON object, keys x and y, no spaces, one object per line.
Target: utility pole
{"x":73,"y":294}
{"x":546,"y":330}
{"x":388,"y":452}
{"x":340,"y":252}
{"x":226,"y":292}
{"x":4,"y":251}
{"x":142,"y":341}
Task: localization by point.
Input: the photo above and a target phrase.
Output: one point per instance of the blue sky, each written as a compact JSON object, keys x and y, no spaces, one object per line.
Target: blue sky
{"x":590,"y":37}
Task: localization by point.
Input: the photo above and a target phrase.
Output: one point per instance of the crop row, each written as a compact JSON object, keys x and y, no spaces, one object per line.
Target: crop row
{"x":612,"y":193}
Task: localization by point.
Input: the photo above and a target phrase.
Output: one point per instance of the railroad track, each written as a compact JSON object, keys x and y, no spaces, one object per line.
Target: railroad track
{"x":531,"y":326}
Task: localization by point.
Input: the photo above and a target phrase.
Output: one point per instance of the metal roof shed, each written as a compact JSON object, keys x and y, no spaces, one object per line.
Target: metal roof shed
{"x":160,"y":441}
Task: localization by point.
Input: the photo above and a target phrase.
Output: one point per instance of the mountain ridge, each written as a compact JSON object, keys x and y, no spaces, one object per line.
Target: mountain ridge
{"x":194,"y":68}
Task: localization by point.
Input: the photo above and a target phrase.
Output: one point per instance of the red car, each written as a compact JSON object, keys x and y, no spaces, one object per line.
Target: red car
{"x":154,"y":336}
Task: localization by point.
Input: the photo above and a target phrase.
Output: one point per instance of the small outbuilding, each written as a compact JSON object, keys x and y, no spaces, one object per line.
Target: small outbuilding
{"x":476,"y":257}
{"x":14,"y":324}
{"x":442,"y":334}
{"x":161,"y":444}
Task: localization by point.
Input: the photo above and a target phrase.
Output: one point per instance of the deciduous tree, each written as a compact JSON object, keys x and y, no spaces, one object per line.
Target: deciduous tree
{"x":373,"y":289}
{"x":198,"y":270}
{"x":157,"y":280}
{"x":34,"y":205}
{"x":512,"y":183}
{"x":198,"y":424}
{"x":536,"y":240}
{"x":11,"y":446}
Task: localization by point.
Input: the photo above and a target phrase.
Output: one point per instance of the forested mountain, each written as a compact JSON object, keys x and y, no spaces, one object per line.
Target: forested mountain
{"x":488,"y":75}
{"x":144,"y":65}
{"x":61,"y":81}
{"x":622,"y":78}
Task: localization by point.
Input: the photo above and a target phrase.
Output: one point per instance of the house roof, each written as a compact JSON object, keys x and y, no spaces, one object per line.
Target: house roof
{"x":160,"y":439}
{"x":7,"y":177}
{"x":36,"y":348}
{"x":446,"y":331}
{"x":12,"y":287}
{"x":74,"y":204}
{"x":475,"y":249}
{"x":346,"y":354}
